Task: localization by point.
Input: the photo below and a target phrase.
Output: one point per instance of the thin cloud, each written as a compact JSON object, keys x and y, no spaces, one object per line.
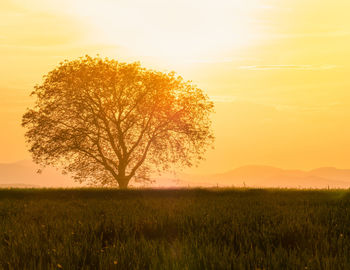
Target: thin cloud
{"x":210,"y":61}
{"x":289,"y":67}
{"x":223,"y":98}
{"x":266,"y":7}
{"x":339,"y":33}
{"x":309,"y":109}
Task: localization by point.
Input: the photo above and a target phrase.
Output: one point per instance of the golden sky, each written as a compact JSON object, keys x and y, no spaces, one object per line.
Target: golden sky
{"x":278,"y":71}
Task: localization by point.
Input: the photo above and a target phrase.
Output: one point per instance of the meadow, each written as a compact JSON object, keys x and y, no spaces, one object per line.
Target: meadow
{"x":174,"y":229}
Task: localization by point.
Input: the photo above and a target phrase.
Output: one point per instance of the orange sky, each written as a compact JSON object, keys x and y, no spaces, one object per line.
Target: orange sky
{"x":277,"y":70}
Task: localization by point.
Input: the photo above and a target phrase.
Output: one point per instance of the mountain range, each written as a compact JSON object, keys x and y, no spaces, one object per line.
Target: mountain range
{"x":24,"y":174}
{"x":267,"y":176}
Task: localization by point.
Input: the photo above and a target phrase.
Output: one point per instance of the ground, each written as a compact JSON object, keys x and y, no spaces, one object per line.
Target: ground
{"x":174,"y":229}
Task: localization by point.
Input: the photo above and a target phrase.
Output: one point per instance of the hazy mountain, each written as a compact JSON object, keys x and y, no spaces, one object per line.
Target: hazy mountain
{"x":266,"y":176}
{"x":332,"y":173}
{"x":24,"y":174}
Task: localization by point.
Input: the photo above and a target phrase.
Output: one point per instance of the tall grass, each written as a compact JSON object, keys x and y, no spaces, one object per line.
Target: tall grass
{"x":174,"y":229}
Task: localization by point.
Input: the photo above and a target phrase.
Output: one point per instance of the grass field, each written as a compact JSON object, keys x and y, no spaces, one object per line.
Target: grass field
{"x":174,"y":229}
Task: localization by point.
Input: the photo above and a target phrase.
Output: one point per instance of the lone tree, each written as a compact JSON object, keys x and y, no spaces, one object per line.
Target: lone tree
{"x":108,"y":122}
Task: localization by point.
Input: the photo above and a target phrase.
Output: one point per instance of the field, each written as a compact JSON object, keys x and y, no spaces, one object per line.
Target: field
{"x":174,"y":229}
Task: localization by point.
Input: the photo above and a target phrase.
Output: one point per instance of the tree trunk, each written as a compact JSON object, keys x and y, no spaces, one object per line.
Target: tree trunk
{"x":123,"y":185}
{"x":123,"y":182}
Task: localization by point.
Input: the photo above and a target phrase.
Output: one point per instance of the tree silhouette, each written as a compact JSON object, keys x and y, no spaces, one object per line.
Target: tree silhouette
{"x":108,"y":122}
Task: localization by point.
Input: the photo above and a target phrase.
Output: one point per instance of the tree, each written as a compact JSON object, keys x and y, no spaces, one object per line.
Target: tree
{"x":108,"y":122}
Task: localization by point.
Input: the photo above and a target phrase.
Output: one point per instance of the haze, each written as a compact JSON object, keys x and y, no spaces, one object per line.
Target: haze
{"x":277,"y":70}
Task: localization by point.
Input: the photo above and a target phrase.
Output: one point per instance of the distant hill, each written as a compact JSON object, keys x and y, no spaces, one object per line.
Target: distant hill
{"x":332,"y":173}
{"x":18,"y":185}
{"x":23,"y":174}
{"x":267,"y":176}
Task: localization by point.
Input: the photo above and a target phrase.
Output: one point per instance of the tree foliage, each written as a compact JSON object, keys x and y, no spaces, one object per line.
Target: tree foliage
{"x":108,"y":122}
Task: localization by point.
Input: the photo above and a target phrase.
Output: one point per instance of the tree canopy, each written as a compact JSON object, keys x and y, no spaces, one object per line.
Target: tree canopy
{"x":107,"y":122}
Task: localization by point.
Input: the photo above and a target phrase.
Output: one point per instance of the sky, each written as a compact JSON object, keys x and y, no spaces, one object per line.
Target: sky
{"x":278,"y":71}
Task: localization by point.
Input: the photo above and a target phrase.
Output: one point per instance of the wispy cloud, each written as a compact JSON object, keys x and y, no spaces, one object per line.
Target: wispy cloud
{"x":266,"y":7}
{"x":310,"y":109}
{"x":210,"y":61}
{"x":339,"y":33}
{"x":289,"y":67}
{"x":222,"y":98}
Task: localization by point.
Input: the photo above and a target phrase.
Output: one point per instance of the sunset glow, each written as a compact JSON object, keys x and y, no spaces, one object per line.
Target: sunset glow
{"x":276,"y":70}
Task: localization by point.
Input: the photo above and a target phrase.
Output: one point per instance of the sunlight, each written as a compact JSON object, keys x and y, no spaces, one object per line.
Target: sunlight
{"x":276,"y":70}
{"x":179,"y":31}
